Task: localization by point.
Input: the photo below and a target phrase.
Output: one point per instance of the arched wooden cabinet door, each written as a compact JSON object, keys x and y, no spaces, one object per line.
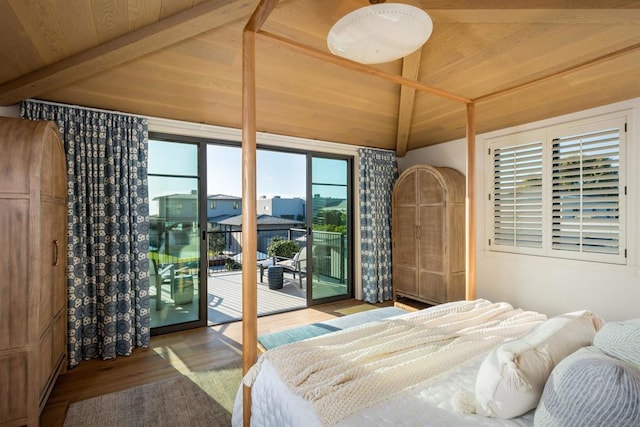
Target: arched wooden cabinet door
{"x":33,"y":230}
{"x":429,"y":235}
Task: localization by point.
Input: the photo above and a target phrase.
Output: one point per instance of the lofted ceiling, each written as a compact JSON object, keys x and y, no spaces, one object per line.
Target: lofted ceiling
{"x":182,"y":59}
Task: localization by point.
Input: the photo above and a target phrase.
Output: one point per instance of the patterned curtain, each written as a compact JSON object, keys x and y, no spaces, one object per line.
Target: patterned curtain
{"x":108,"y":228}
{"x":378,"y":172}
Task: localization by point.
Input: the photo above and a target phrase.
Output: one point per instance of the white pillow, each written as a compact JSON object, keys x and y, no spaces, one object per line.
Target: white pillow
{"x":512,"y":376}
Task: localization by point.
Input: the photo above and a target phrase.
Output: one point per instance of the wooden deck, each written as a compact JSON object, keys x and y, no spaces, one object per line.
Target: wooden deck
{"x":225,"y":297}
{"x":224,"y":300}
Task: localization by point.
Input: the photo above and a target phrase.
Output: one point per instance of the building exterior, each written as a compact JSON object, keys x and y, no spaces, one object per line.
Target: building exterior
{"x":222,"y":206}
{"x":268,"y":227}
{"x":289,"y":208}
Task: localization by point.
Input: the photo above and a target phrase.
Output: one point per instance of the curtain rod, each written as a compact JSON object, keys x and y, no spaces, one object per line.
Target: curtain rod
{"x":99,"y":110}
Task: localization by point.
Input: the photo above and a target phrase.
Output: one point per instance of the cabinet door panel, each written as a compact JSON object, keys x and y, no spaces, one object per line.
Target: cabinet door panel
{"x":404,"y":228}
{"x":46,"y":167}
{"x":44,"y":359}
{"x":457,"y":237}
{"x":59,"y":170}
{"x":59,"y":273}
{"x":456,"y":290}
{"x":405,"y":191}
{"x":430,"y":189}
{"x":431,"y":239}
{"x":405,"y":280}
{"x":432,"y":287}
{"x":45,"y":284}
{"x":13,"y":371}
{"x":14,"y":302}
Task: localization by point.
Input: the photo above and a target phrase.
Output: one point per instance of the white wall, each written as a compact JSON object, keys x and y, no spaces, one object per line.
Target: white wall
{"x":552,"y":286}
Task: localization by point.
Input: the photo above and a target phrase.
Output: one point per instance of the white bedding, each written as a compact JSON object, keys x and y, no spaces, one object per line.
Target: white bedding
{"x":429,"y":404}
{"x":276,"y":403}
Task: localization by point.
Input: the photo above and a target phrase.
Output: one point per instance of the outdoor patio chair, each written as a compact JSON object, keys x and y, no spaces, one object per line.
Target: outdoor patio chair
{"x":297,"y":264}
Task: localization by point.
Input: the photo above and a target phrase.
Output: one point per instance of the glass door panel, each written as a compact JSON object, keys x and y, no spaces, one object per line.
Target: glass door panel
{"x":281,"y":208}
{"x":174,"y":254}
{"x":330,"y":249}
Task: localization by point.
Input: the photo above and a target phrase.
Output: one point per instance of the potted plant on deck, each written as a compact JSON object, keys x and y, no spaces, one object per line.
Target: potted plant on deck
{"x":279,"y":249}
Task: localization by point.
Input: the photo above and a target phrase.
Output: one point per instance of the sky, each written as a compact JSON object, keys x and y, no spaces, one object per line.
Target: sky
{"x":278,"y":173}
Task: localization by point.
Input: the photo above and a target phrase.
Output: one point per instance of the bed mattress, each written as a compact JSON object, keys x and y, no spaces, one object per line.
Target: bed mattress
{"x":428,"y":403}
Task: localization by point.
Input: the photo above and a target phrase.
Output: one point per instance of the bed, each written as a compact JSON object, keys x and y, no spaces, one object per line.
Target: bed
{"x":462,"y":363}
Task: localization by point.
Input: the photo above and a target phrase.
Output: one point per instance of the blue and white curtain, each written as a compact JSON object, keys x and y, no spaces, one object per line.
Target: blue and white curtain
{"x":108,"y":228}
{"x":377,"y":174}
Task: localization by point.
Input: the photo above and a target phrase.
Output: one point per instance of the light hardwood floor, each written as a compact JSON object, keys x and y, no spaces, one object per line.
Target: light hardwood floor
{"x":174,"y":354}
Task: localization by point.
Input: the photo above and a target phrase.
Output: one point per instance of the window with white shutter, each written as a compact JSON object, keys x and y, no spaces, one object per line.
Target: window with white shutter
{"x":517,"y":195}
{"x":560,"y":191}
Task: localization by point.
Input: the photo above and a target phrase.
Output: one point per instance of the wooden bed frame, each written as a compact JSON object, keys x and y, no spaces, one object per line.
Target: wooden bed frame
{"x":249,"y":237}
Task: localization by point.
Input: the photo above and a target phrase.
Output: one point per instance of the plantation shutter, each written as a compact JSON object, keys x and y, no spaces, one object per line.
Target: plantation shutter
{"x":586,"y":192}
{"x":517,"y":195}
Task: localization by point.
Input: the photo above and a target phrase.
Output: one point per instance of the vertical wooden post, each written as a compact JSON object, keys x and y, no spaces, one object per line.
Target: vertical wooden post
{"x":470,"y":211}
{"x":249,"y":220}
{"x":249,"y":199}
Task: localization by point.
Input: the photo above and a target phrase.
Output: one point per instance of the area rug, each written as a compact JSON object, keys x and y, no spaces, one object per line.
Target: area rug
{"x":198,"y":399}
{"x":276,"y":339}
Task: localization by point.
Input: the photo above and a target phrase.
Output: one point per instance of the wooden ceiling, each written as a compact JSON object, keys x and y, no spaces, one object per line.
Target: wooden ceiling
{"x":182,"y":59}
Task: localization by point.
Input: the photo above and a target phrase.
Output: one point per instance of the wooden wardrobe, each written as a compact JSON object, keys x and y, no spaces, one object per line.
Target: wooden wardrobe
{"x":33,"y":289}
{"x":428,"y":229}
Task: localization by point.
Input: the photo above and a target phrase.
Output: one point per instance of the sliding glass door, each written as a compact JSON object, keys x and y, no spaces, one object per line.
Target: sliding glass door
{"x":330,"y":225}
{"x":174,"y":256}
{"x":196,"y":254}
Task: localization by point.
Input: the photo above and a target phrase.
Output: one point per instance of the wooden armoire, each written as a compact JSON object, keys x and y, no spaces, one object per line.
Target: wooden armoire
{"x":33,"y":289}
{"x":428,"y":229}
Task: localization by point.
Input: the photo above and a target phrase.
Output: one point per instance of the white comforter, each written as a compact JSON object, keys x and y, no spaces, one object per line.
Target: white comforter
{"x":424,"y":397}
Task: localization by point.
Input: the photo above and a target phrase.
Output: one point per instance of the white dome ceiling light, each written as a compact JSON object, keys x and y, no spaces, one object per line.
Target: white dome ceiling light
{"x":380,"y":33}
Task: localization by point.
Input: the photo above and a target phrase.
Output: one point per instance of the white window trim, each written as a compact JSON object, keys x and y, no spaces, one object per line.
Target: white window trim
{"x":546,"y":134}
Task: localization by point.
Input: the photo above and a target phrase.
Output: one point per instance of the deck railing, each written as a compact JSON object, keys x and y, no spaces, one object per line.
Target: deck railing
{"x":225,"y":249}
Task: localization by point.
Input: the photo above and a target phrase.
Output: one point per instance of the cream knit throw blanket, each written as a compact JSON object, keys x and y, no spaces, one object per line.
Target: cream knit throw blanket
{"x":343,"y":372}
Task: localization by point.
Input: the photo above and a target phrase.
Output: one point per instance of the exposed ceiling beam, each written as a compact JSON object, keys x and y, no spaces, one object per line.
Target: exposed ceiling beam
{"x":537,"y":16}
{"x":176,"y":28}
{"x":410,"y":69}
{"x":352,"y":65}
